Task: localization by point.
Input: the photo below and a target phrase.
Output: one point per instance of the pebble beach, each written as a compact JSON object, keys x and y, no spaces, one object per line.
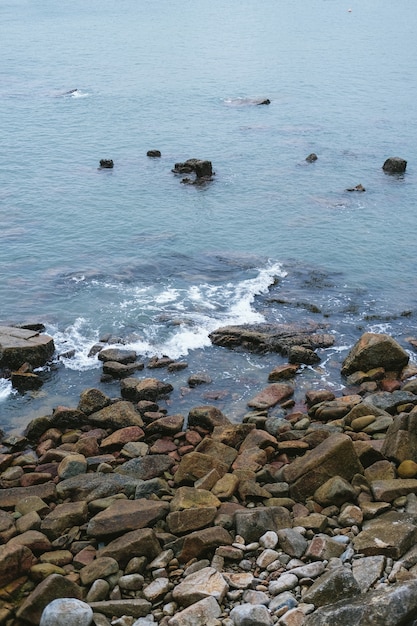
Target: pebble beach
{"x":119,"y":511}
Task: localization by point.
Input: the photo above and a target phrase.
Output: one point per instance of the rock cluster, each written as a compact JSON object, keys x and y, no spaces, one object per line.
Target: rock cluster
{"x":114,"y":512}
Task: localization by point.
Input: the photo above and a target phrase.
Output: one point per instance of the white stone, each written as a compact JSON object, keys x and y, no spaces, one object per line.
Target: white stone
{"x":66,"y":612}
{"x":269,"y":540}
{"x":266,"y":558}
{"x":156,"y":590}
{"x":202,"y":613}
{"x":284,"y":583}
{"x":251,"y":614}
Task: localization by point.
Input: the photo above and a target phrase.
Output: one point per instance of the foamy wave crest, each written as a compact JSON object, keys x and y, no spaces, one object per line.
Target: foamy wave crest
{"x":191,"y":314}
{"x":170,"y":319}
{"x":6,"y":389}
{"x":74,"y":343}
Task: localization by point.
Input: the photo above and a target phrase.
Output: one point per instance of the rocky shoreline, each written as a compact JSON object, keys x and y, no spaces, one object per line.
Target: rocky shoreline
{"x":117,"y":512}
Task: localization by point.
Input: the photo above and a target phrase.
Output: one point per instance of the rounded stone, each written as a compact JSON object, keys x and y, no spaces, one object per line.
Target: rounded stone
{"x":72,"y":465}
{"x":407,"y":469}
{"x":66,"y":612}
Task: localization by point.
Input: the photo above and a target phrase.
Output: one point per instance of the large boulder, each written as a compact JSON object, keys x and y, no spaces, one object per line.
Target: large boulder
{"x":375,"y":350}
{"x":335,"y":456}
{"x":21,"y":345}
{"x":394,"y":604}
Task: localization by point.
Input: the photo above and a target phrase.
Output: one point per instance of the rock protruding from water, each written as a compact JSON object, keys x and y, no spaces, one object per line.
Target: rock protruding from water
{"x":106,"y":164}
{"x":202,"y":169}
{"x":375,"y":350}
{"x":20,"y":345}
{"x":271,"y":337}
{"x":153,"y":153}
{"x":395,"y":165}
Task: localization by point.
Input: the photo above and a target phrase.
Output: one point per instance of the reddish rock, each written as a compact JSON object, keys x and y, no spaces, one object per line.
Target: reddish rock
{"x":127,"y":515}
{"x":15,"y":561}
{"x":142,"y":542}
{"x":271,"y":395}
{"x":35,"y":478}
{"x":122,"y":436}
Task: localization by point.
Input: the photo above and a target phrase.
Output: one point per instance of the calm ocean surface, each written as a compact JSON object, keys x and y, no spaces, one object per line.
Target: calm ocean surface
{"x":133,"y":252}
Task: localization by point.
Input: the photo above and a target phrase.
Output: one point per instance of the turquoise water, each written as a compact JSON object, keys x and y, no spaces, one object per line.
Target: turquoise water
{"x":132,"y":251}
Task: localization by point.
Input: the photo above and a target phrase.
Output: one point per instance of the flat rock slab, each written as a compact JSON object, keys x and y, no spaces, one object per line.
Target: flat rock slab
{"x":391,"y":535}
{"x":135,"y":607}
{"x":13,"y":495}
{"x":127,"y":515}
{"x":335,"y":456}
{"x":395,"y":604}
{"x":271,"y":337}
{"x":19,"y":345}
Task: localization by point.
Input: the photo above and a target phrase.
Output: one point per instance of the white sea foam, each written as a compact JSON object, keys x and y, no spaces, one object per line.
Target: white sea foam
{"x":173,"y":320}
{"x":75,"y":341}
{"x":6,"y":389}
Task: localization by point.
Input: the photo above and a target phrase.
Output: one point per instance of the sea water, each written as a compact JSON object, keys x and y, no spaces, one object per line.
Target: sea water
{"x":135,"y":253}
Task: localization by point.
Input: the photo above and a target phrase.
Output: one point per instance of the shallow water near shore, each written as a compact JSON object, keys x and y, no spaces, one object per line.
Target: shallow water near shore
{"x":133,"y":252}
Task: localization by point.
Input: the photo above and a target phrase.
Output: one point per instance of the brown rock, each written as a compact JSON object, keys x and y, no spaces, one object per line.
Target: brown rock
{"x":271,"y":395}
{"x":137,"y":543}
{"x":335,"y":456}
{"x":217,"y":450}
{"x":36,"y":541}
{"x":375,"y":350}
{"x":207,"y":416}
{"x":391,"y":534}
{"x":13,"y":495}
{"x":63,"y":517}
{"x":53,"y":587}
{"x":192,"y":498}
{"x":146,"y":389}
{"x":282,"y":372}
{"x":186,"y":521}
{"x":15,"y":561}
{"x":93,"y":400}
{"x":196,"y":465}
{"x":99,"y":568}
{"x":201,"y":543}
{"x":115,"y":416}
{"x":122,"y":436}
{"x":169,"y":425}
{"x":19,"y":345}
{"x":126,"y":515}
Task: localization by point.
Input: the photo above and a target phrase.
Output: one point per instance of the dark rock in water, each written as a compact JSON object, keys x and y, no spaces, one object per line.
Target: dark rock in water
{"x":153,"y":153}
{"x":271,"y":337}
{"x":394,"y":165}
{"x":106,"y":164}
{"x":311,"y":158}
{"x":266,"y":101}
{"x":299,"y":354}
{"x":18,"y":345}
{"x":357,"y":188}
{"x":118,"y":355}
{"x":25,"y":380}
{"x":202,"y":169}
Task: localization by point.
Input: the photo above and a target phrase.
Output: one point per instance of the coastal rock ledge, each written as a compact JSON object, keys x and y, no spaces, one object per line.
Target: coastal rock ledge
{"x":24,"y":345}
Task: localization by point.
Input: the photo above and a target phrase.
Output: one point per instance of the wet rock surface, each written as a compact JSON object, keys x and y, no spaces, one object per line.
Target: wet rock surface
{"x":305,"y":518}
